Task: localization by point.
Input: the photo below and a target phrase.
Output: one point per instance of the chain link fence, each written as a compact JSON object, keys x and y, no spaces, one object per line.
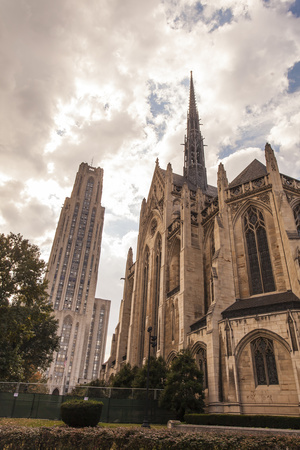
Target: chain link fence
{"x":120,"y":405}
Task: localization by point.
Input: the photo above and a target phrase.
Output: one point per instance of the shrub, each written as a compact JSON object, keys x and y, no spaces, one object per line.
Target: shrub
{"x":81,"y":413}
{"x":64,"y":438}
{"x":235,"y":420}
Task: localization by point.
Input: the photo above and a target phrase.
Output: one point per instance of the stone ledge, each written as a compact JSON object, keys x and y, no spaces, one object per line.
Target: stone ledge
{"x":178,"y":426}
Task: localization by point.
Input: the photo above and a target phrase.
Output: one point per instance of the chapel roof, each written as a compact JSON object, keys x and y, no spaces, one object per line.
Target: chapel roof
{"x":279,"y":301}
{"x":254,"y":170}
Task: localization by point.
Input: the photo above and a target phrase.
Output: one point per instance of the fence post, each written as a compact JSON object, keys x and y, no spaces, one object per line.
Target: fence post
{"x":14,"y":402}
{"x":108,"y":405}
{"x":32,"y":403}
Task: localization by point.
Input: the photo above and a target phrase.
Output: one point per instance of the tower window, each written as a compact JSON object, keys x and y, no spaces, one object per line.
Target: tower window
{"x":260,"y":268}
{"x":264,"y":361}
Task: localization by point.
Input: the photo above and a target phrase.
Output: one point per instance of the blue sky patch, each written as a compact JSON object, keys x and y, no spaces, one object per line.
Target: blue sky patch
{"x":220,"y":18}
{"x":186,"y":82}
{"x":157,"y":104}
{"x":224,"y":16}
{"x":199,"y":7}
{"x":294,"y":78}
{"x":248,"y":137}
{"x":295,"y":8}
{"x":121,"y":226}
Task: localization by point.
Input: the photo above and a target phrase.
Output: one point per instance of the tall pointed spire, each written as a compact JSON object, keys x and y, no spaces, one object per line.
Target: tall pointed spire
{"x":194,"y":162}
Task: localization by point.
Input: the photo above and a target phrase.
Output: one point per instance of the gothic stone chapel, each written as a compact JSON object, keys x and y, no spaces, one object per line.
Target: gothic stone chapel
{"x":217,"y":270}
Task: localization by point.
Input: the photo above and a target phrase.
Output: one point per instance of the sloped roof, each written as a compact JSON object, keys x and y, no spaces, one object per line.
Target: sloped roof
{"x":255,"y":170}
{"x":179,"y":180}
{"x":280,"y":301}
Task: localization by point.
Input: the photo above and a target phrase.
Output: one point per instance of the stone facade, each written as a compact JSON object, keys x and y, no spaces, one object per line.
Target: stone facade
{"x":217,"y":269}
{"x":72,"y":275}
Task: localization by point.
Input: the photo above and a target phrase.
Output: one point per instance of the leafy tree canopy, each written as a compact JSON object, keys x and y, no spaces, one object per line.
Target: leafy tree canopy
{"x":96,"y":383}
{"x":157,"y":374}
{"x":124,"y":378}
{"x":183,"y":392}
{"x":27,"y":325}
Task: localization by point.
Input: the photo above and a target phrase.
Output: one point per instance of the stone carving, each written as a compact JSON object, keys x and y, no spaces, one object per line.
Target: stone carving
{"x":234,"y":207}
{"x":174,"y":228}
{"x":264,"y":198}
{"x":153,"y":227}
{"x":194,"y":217}
{"x":258,"y":183}
{"x":236,"y":190}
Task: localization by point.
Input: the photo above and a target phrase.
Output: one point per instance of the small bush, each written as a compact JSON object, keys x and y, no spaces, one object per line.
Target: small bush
{"x":81,"y":413}
{"x":235,"y":420}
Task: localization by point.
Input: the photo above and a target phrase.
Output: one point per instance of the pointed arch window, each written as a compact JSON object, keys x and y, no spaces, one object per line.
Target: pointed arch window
{"x":173,"y":321}
{"x":173,"y":284}
{"x":292,"y":334}
{"x":201,"y":359}
{"x":144,"y":302}
{"x":228,"y":339}
{"x":264,"y":361}
{"x":157,"y":266}
{"x":297,"y":217}
{"x":260,"y":267}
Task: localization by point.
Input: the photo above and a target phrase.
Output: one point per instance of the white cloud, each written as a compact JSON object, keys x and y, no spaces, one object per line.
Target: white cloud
{"x":106,"y":81}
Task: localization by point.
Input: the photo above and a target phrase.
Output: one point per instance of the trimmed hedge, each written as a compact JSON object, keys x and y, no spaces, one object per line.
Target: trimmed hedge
{"x":235,"y":420}
{"x":81,"y":413}
{"x":64,"y":438}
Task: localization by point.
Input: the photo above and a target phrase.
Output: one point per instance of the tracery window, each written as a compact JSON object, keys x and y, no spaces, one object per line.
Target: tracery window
{"x":297,"y":217}
{"x":260,"y":268}
{"x":264,"y":361}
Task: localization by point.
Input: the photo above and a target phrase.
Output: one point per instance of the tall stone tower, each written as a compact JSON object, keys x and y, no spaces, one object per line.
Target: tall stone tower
{"x":72,"y":276}
{"x":194,"y":162}
{"x":165,"y":288}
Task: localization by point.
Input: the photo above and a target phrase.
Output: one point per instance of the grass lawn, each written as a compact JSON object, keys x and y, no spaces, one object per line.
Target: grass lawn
{"x":58,"y":423}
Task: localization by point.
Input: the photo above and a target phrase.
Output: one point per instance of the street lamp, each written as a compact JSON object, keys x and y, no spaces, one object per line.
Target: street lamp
{"x":152,"y":343}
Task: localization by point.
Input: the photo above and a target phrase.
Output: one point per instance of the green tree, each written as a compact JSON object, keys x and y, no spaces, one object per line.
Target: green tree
{"x":27,"y":325}
{"x":92,"y":389}
{"x":124,"y":378}
{"x":183,"y":392}
{"x":157,"y":374}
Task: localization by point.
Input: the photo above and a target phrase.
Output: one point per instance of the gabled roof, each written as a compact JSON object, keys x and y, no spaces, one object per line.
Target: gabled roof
{"x":279,"y":301}
{"x":255,"y":170}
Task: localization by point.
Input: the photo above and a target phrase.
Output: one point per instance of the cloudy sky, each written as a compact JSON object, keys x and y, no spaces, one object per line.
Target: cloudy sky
{"x":106,"y":82}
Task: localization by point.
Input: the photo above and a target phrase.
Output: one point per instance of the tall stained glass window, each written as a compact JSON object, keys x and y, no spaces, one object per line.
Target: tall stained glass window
{"x":260,"y":267}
